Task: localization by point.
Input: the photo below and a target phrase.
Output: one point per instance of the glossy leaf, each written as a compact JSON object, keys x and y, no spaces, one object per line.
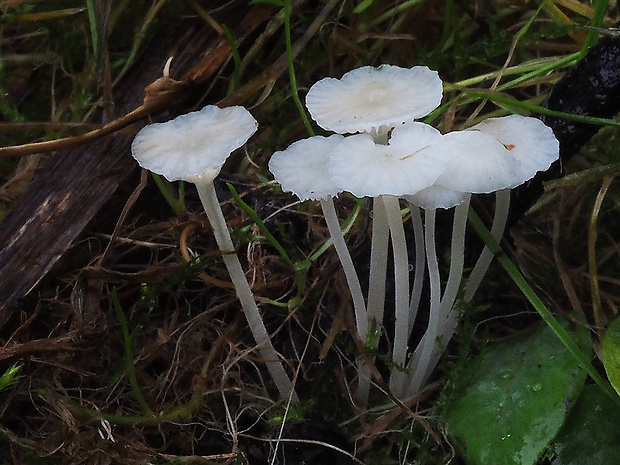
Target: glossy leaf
{"x":517,"y":399}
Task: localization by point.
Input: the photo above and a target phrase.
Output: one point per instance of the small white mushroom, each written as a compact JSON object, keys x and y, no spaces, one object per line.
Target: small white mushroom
{"x":302,"y":170}
{"x":534,"y":148}
{"x":493,"y":156}
{"x":193,"y":147}
{"x":481,"y":163}
{"x":367,"y":98}
{"x":529,"y":141}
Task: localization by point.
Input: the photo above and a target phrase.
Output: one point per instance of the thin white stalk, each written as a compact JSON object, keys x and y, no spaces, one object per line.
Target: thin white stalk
{"x":376,"y":286}
{"x":502,"y":207}
{"x":420,"y":264}
{"x":207,"y":194}
{"x":331,"y":218}
{"x":378,"y":262}
{"x":401,"y":291}
{"x":455,"y":274}
{"x":448,"y":316}
{"x":420,"y":360}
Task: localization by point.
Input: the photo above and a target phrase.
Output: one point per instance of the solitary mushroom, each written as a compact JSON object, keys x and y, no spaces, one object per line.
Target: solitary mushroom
{"x":193,"y":147}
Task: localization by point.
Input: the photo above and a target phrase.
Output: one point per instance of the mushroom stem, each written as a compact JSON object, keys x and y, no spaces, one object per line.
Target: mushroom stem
{"x":442,"y":324}
{"x":376,"y":285}
{"x":455,"y":275}
{"x":502,"y":207}
{"x":206,"y":191}
{"x":421,"y":357}
{"x":401,"y":292}
{"x":378,"y":262}
{"x":361,"y":318}
{"x":447,"y":317}
{"x":420,"y":264}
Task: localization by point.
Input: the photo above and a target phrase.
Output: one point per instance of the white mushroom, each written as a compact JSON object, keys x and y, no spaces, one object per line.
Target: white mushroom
{"x":534,"y":148}
{"x":193,"y":147}
{"x":367,"y":98}
{"x":529,"y":141}
{"x":493,"y":156}
{"x":302,"y":170}
{"x":406,"y":165}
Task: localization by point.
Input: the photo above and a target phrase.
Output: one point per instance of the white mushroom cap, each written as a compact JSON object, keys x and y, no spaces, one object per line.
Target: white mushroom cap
{"x":302,"y":167}
{"x":368,"y":97}
{"x":403,"y":167}
{"x":437,"y":196}
{"x":498,"y":153}
{"x":528,"y":140}
{"x":480,"y":163}
{"x":195,"y":145}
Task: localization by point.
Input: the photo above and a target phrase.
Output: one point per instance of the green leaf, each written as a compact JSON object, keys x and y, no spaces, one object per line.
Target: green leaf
{"x":610,"y":353}
{"x":590,"y":435}
{"x":517,"y":399}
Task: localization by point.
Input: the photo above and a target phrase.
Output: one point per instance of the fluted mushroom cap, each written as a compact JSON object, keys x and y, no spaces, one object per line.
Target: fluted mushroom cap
{"x":498,"y":153}
{"x":302,"y":167}
{"x":194,"y":145}
{"x":405,"y":166}
{"x":527,"y":139}
{"x":367,"y":98}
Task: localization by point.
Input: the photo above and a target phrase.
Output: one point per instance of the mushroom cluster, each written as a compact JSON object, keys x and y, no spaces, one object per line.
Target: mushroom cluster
{"x":379,"y":151}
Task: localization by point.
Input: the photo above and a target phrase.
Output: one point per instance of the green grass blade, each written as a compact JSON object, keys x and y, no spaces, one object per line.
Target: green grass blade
{"x":512,"y":104}
{"x":261,"y":226}
{"x":291,"y":67}
{"x":600,"y":9}
{"x":129,"y":359}
{"x":236,"y":59}
{"x":92,"y":21}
